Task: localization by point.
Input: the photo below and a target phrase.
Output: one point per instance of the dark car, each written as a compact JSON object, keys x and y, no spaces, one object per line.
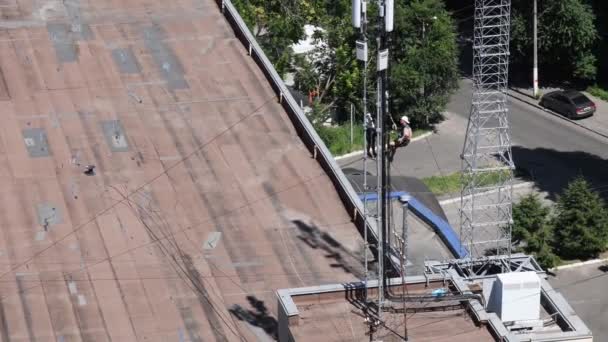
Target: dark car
{"x":569,"y":103}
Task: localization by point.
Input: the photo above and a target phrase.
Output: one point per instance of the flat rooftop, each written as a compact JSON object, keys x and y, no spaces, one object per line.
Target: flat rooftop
{"x":464,"y":309}
{"x":338,"y":316}
{"x":342,"y":321}
{"x":203,"y":200}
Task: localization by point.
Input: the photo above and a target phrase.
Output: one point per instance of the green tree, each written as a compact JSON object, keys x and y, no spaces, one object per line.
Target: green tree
{"x":330,"y":70}
{"x":276,"y":25}
{"x":423,"y":65}
{"x":600,"y":8}
{"x":424,"y":56}
{"x":532,"y":231}
{"x":581,"y":224}
{"x":566,"y":34}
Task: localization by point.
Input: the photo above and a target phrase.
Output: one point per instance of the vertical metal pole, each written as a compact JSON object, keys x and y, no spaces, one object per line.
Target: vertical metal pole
{"x":382,"y":165}
{"x":423,"y":29}
{"x":535,"y":33}
{"x":365,"y":132}
{"x":405,"y":229}
{"x":351,"y":123}
{"x":404,"y":243}
{"x":380,"y":189}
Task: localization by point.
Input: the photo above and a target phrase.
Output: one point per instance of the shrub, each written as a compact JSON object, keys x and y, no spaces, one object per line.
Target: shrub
{"x":581,"y":224}
{"x":337,"y":138}
{"x":532,"y":230}
{"x":598,"y":92}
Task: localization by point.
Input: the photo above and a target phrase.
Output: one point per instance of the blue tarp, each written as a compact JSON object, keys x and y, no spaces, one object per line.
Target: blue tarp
{"x":441,"y":226}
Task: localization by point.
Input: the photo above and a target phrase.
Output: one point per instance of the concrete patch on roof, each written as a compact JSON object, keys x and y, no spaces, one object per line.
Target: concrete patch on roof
{"x":63,"y":42}
{"x":170,"y":158}
{"x":49,"y":10}
{"x":36,"y":142}
{"x":82,"y":301}
{"x":65,"y":35}
{"x":126,"y":61}
{"x":246,"y":264}
{"x":164,"y":57}
{"x":72,"y":287}
{"x":81,"y":30}
{"x":41,"y":235}
{"x":212,"y":240}
{"x":115,"y":135}
{"x":48,"y":214}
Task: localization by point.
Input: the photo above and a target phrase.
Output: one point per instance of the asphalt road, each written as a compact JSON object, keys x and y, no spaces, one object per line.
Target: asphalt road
{"x":585,"y":289}
{"x":548,"y":149}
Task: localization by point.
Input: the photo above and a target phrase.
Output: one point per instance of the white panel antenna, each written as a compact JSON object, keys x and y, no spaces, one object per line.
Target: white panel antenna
{"x":389,"y":12}
{"x":357,"y":13}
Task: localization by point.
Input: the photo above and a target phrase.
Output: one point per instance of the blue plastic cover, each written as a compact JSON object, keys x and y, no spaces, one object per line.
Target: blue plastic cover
{"x":441,"y":226}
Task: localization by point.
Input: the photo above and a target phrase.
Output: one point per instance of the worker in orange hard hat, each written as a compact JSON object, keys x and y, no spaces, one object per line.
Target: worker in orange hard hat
{"x":403,"y":139}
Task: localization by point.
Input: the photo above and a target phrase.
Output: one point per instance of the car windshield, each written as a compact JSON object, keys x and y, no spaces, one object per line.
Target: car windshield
{"x":580,"y":100}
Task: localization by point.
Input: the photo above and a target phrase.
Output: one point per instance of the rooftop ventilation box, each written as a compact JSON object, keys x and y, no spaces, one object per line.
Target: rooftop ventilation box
{"x":517,"y":296}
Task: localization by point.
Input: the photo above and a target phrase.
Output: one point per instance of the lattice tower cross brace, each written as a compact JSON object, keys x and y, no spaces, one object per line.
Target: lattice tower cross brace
{"x":487,"y":163}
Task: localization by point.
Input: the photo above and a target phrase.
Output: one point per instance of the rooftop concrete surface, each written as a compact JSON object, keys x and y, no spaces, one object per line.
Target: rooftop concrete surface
{"x":340,"y":317}
{"x":203,"y":200}
{"x":344,"y":322}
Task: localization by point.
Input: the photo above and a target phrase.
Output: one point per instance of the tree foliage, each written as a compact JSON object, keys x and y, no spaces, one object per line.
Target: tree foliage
{"x":425,"y":69}
{"x":330,"y":70}
{"x":276,"y":24}
{"x":567,"y":36}
{"x":581,"y":223}
{"x":577,"y":230}
{"x":532,"y":230}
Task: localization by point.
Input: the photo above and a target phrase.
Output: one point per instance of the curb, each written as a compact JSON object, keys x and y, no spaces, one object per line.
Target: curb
{"x":578,"y":264}
{"x":522,"y":98}
{"x":457,"y":199}
{"x":356,"y":153}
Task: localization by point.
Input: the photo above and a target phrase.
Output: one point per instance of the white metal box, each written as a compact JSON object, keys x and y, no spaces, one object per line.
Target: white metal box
{"x":517,"y":296}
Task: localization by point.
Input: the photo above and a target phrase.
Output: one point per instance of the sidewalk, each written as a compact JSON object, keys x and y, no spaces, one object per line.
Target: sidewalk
{"x":597,"y":124}
{"x":433,"y":154}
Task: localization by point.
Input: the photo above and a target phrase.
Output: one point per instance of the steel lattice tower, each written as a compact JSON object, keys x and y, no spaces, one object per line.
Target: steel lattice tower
{"x":487,"y":163}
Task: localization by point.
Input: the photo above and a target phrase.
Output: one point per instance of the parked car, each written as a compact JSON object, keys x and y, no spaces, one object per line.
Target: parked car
{"x":570,"y":103}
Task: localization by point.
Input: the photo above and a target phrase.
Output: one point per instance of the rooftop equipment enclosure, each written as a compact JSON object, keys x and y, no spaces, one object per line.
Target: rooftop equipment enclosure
{"x":517,"y":296}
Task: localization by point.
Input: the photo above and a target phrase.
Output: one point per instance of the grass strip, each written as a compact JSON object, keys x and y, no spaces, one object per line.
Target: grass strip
{"x":337,"y":138}
{"x":598,"y":92}
{"x":452,"y":183}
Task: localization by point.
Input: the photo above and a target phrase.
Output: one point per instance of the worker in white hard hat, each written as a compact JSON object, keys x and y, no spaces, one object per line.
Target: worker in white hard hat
{"x":403,"y":139}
